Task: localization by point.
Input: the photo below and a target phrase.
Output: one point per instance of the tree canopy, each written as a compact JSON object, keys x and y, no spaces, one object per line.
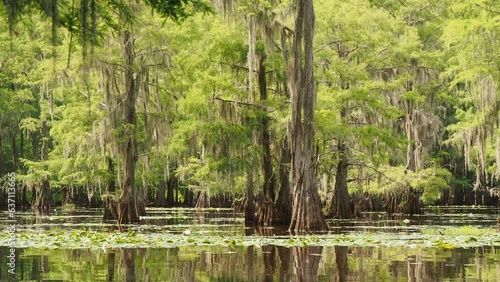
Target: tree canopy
{"x":348,"y":105}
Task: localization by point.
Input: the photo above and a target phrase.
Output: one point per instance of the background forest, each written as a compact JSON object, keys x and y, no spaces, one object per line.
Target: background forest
{"x":126,"y":105}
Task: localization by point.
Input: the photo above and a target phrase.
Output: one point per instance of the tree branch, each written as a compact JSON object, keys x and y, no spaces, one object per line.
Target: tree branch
{"x":379,"y":172}
{"x":491,"y":11}
{"x":326,"y":44}
{"x":236,"y":102}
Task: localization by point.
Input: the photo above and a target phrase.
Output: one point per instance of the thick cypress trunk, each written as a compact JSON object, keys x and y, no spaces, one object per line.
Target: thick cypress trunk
{"x":412,"y":202}
{"x":202,"y":200}
{"x":160,"y":200}
{"x":129,"y":210}
{"x":340,"y":206}
{"x":188,"y":198}
{"x":43,"y":198}
{"x":284,"y":198}
{"x":390,"y":203}
{"x":173,"y":183}
{"x":24,"y":197}
{"x":306,"y":214}
{"x":69,"y":195}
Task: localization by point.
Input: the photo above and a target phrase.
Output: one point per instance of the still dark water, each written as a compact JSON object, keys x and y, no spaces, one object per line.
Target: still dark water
{"x":252,"y":263}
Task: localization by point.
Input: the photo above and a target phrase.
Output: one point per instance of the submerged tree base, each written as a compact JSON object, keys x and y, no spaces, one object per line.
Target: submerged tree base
{"x":407,"y":203}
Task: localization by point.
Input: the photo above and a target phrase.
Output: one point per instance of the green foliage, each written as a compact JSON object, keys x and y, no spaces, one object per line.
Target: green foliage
{"x":180,"y":9}
{"x":379,"y":69}
{"x":430,"y":182}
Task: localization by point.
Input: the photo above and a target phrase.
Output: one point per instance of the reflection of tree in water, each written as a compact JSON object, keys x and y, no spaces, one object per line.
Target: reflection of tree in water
{"x":128,"y":264}
{"x":111,"y":266}
{"x":414,"y":268}
{"x":306,"y":263}
{"x":341,"y":262}
{"x":129,"y":267}
{"x":285,"y":257}
{"x":146,"y":273}
{"x":35,"y":270}
{"x":269,"y":254}
{"x":250,"y":259}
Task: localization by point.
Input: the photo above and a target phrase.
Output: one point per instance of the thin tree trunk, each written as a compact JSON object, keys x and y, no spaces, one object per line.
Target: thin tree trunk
{"x":269,"y":256}
{"x":249,"y":207}
{"x":285,"y":259}
{"x":109,"y":200}
{"x":111,"y":267}
{"x":34,"y":144}
{"x":410,"y":149}
{"x":15,"y":152}
{"x":306,"y":214}
{"x":43,"y":194}
{"x":266,"y":207}
{"x":249,"y":255}
{"x":21,"y":149}
{"x":284,"y":199}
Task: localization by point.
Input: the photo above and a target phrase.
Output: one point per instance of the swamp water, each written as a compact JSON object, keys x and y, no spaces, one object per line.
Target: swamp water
{"x":445,"y":244}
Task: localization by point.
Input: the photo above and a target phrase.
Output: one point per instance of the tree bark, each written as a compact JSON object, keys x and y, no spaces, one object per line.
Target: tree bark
{"x":109,"y":200}
{"x":129,"y":210}
{"x":306,"y":214}
{"x":43,"y":198}
{"x":69,"y":195}
{"x":160,"y":200}
{"x":411,"y":161}
{"x":340,"y":206}
{"x":284,"y":199}
{"x":249,"y":207}
{"x":173,"y":183}
{"x":266,"y":207}
{"x":15,"y":152}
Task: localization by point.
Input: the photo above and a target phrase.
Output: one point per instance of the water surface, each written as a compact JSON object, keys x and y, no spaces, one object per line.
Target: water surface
{"x":266,"y":261}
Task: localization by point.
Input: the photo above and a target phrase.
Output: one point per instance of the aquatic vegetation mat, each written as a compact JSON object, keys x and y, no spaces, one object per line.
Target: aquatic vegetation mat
{"x":453,"y":237}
